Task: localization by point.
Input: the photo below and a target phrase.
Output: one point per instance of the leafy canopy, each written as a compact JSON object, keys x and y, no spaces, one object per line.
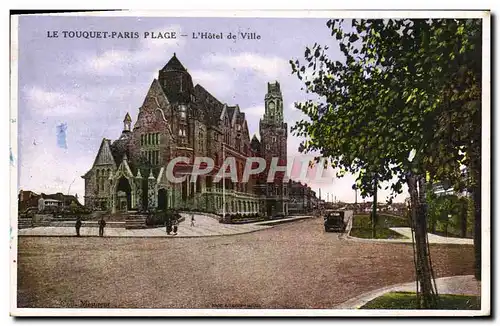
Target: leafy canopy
{"x":403,"y":86}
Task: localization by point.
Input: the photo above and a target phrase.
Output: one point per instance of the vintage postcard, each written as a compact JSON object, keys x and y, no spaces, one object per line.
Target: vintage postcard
{"x":250,"y":163}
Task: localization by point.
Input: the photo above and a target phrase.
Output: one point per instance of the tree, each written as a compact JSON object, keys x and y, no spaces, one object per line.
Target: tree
{"x":379,"y":109}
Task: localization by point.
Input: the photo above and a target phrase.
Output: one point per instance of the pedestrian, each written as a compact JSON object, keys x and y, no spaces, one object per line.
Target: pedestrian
{"x":192,"y":219}
{"x":102,"y":224}
{"x":176,"y":224}
{"x":168,"y":224}
{"x":78,"y":225}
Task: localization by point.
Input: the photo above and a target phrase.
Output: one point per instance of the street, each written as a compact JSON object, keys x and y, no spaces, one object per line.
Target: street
{"x":294,"y":265}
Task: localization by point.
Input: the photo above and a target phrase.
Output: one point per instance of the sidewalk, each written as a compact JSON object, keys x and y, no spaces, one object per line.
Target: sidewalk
{"x":205,"y":226}
{"x":459,"y":285}
{"x":433,"y":238}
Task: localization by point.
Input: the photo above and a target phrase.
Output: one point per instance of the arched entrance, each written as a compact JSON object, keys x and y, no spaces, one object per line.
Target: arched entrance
{"x":123,"y":194}
{"x":162,"y":199}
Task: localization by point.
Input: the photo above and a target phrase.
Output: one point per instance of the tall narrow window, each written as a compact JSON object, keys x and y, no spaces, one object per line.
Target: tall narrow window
{"x":183,"y":111}
{"x":200,"y":140}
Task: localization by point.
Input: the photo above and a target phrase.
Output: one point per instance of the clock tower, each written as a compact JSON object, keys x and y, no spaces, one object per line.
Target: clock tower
{"x":273,"y":135}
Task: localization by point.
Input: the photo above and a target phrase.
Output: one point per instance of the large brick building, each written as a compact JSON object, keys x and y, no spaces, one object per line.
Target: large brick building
{"x":179,"y":119}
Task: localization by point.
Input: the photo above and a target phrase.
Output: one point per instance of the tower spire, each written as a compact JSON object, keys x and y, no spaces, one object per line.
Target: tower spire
{"x":127,"y":121}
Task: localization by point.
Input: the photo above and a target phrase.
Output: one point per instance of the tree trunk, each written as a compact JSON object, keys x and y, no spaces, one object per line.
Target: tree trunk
{"x":374,"y":209}
{"x":475,"y":190}
{"x":476,"y":196}
{"x":463,"y":218}
{"x":426,"y":291}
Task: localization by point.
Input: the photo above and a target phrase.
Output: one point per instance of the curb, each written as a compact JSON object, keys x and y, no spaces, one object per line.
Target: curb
{"x":360,"y":300}
{"x":405,"y":240}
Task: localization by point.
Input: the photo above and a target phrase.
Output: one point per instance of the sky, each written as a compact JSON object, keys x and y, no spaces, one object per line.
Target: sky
{"x":74,"y":92}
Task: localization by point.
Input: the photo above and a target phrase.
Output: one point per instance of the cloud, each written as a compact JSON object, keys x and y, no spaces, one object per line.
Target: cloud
{"x":218,"y":83}
{"x":50,"y":103}
{"x":119,"y":62}
{"x":254,"y":111}
{"x":269,"y":67}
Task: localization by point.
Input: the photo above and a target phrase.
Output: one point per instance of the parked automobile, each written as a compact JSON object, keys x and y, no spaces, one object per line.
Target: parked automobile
{"x":336,"y":221}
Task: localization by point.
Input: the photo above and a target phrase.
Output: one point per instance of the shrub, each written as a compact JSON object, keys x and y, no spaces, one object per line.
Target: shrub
{"x":161,"y":217}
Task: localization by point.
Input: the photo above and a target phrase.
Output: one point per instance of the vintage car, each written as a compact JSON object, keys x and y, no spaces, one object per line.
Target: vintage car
{"x":336,"y":221}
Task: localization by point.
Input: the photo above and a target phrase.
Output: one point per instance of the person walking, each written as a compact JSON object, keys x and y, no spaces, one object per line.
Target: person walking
{"x":168,"y":225}
{"x":78,"y":225}
{"x":102,"y":224}
{"x":176,"y":225}
{"x":192,"y":219}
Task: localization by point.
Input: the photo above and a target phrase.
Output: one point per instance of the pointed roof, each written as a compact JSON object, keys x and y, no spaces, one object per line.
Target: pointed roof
{"x":104,"y":154}
{"x":127,"y":118}
{"x":174,"y":64}
{"x":230,"y":112}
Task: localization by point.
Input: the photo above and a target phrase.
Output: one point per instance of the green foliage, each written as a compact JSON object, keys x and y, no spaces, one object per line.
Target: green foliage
{"x":362,"y":227}
{"x":408,"y":300}
{"x":161,"y":217}
{"x":405,"y":85}
{"x":445,"y":214}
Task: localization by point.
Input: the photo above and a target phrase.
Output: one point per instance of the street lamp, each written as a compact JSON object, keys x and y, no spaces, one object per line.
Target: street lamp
{"x":223,"y":185}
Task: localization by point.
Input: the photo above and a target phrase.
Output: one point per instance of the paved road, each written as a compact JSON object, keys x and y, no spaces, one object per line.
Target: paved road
{"x":294,"y":265}
{"x":204,"y":226}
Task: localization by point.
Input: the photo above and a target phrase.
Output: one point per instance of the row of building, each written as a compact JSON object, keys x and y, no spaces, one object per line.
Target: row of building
{"x":31,"y":202}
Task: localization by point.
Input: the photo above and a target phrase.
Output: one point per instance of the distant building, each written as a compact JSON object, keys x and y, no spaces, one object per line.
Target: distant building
{"x":31,"y":201}
{"x":49,"y":204}
{"x":302,"y":198}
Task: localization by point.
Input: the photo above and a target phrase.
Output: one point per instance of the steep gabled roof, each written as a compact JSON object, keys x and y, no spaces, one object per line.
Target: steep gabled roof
{"x":255,"y":144}
{"x":174,"y":64}
{"x":104,"y":155}
{"x":230,"y":112}
{"x":211,"y":106}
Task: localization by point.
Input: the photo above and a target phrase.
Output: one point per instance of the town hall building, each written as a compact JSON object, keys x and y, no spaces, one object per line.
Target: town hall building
{"x":179,"y":119}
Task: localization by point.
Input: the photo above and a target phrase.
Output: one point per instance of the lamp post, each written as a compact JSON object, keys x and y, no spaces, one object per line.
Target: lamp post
{"x":223,"y":185}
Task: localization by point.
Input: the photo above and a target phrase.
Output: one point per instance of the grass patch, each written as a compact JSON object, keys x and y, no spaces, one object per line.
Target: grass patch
{"x":362,"y":227}
{"x":408,"y":300}
{"x":380,"y":233}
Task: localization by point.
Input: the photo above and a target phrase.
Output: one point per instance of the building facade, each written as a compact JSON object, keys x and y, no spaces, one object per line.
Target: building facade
{"x":302,"y":199}
{"x":179,"y":119}
{"x":31,"y":201}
